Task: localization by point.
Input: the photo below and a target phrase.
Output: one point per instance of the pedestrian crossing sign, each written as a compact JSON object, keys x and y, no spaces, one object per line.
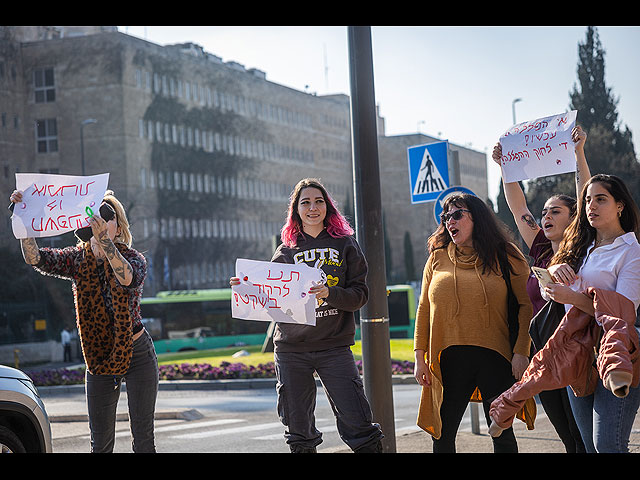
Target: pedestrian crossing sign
{"x":428,"y":171}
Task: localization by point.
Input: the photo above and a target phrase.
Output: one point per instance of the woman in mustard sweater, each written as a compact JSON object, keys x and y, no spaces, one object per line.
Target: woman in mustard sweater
{"x":461,"y":343}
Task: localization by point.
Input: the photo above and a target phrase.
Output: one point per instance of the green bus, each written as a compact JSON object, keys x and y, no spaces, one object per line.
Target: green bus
{"x":201,"y":319}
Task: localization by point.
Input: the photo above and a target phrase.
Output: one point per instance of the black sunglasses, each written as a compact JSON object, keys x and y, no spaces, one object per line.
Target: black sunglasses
{"x":457,"y":215}
{"x":107,"y":213}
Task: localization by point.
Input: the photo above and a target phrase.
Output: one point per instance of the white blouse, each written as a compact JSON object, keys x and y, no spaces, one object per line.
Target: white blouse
{"x":613,"y":267}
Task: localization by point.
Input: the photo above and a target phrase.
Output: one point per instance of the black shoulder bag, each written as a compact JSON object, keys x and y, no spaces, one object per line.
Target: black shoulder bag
{"x":513,"y":305}
{"x":545,"y":322}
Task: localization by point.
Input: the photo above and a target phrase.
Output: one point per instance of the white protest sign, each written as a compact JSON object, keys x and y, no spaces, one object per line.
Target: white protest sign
{"x":275,"y":292}
{"x":539,"y":148}
{"x":55,"y":204}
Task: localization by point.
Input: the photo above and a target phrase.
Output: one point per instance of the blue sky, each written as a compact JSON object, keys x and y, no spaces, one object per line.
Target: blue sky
{"x":455,"y":83}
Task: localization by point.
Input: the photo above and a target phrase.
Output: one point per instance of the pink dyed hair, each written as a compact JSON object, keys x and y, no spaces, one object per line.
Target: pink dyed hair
{"x":337,"y":226}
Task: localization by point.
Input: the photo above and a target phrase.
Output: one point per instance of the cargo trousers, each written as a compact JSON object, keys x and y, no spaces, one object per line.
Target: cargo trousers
{"x":296,"y":389}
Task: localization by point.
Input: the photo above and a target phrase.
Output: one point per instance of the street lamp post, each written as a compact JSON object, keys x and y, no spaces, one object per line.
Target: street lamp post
{"x":513,"y":108}
{"x":88,"y":121}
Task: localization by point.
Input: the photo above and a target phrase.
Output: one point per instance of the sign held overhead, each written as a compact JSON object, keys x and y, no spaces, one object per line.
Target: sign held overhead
{"x":539,"y":148}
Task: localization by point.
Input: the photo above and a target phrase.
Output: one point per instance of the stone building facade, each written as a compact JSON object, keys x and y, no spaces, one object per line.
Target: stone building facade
{"x":202,"y":153}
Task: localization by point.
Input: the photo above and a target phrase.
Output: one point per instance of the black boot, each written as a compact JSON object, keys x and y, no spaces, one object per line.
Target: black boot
{"x":375,"y":447}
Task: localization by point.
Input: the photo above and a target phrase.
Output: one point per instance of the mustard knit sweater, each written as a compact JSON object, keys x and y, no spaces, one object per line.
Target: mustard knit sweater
{"x":459,"y":305}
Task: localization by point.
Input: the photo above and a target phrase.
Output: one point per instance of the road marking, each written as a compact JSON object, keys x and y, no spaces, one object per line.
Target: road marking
{"x":227,"y":431}
{"x":182,"y":426}
{"x":186,"y":426}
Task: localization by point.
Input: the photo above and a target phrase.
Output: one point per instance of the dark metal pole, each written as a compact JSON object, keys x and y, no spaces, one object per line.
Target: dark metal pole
{"x":82,"y":147}
{"x":374,"y":316}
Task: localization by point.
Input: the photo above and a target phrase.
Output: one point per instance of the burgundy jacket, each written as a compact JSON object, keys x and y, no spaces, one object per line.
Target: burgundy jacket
{"x":567,"y":358}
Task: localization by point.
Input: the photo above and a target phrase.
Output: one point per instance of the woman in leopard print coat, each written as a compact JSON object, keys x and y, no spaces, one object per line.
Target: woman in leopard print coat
{"x":107,"y":276}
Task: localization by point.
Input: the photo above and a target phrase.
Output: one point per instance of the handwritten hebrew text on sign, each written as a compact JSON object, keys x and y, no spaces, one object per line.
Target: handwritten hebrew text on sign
{"x":539,"y":148}
{"x":55,"y":204}
{"x":275,"y":292}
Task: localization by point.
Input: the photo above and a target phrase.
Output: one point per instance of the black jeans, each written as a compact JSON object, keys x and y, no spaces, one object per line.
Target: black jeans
{"x":558,"y":409}
{"x":465,"y":367}
{"x":296,"y":389}
{"x":103,"y":392}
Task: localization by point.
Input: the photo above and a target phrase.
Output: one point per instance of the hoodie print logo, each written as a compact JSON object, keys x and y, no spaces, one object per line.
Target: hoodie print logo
{"x":329,"y":256}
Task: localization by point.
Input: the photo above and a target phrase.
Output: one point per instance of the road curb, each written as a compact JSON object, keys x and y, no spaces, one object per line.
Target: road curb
{"x":226,"y":384}
{"x":186,"y":414}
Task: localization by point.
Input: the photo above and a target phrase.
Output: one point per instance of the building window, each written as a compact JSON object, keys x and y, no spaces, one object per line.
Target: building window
{"x":44,"y":85}
{"x":46,"y":135}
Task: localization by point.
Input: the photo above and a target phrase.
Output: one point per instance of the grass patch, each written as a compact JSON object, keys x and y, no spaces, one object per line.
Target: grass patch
{"x":401,"y":349}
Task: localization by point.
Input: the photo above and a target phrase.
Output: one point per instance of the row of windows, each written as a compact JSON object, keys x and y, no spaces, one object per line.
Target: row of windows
{"x":228,"y":186}
{"x":249,"y":188}
{"x":209,"y":141}
{"x":172,"y":228}
{"x":211,"y":97}
{"x":206,"y":96}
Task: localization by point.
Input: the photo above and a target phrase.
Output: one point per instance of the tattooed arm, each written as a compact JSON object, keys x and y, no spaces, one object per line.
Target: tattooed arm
{"x":517,"y":202}
{"x":30,"y":251}
{"x":120,"y":266}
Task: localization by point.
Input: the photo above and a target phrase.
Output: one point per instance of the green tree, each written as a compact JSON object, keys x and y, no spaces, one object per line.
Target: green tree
{"x":609,"y":148}
{"x":409,"y":264}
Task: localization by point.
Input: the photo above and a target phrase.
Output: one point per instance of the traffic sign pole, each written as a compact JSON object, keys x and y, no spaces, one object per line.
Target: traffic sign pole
{"x":374,"y":316}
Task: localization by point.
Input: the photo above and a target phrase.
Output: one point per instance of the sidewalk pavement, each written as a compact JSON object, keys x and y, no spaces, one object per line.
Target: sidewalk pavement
{"x":542,"y":439}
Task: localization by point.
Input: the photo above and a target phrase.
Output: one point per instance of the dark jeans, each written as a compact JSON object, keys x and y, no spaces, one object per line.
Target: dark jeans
{"x":465,"y":367}
{"x":342,"y":383}
{"x":103,"y":392}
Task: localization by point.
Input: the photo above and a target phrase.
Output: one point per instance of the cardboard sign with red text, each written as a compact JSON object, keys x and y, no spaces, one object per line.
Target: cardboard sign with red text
{"x":55,"y":204}
{"x":275,"y":292}
{"x":539,"y":148}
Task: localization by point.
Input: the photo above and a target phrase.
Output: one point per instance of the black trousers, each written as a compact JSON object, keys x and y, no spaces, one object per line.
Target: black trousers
{"x":556,"y":406}
{"x":465,"y":367}
{"x":103,"y":392}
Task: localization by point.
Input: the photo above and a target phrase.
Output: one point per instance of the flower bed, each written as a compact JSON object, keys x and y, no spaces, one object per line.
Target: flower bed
{"x":192,"y":371}
{"x":61,"y":376}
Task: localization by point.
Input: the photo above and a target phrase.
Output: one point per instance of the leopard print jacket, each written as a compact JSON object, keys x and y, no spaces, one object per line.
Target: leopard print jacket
{"x":105,"y":310}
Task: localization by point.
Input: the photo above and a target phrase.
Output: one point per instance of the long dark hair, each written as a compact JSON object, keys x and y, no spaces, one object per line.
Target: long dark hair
{"x":580,"y":234}
{"x":490,"y":236}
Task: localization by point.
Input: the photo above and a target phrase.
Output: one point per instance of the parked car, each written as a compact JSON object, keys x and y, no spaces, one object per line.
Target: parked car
{"x":24,"y":423}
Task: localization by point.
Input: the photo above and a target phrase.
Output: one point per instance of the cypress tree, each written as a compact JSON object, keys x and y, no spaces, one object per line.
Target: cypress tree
{"x":609,"y":148}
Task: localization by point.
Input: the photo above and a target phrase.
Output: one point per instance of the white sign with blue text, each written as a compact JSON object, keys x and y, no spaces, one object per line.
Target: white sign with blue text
{"x":428,"y":171}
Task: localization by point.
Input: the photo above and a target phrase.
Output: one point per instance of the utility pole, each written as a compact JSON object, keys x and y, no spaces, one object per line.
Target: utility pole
{"x":374,"y":316}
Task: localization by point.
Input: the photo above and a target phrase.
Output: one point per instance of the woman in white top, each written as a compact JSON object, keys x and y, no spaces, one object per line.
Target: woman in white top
{"x":601,"y":245}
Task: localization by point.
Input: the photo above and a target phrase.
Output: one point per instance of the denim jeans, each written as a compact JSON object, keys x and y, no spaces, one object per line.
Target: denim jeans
{"x":605,"y":421}
{"x":296,"y":389}
{"x":103,"y":392}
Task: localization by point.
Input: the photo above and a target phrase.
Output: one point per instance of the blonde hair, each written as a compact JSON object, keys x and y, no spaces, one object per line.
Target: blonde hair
{"x":124,"y":236}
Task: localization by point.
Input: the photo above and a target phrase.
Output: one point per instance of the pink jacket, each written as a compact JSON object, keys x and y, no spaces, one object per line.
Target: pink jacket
{"x":567,"y":358}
